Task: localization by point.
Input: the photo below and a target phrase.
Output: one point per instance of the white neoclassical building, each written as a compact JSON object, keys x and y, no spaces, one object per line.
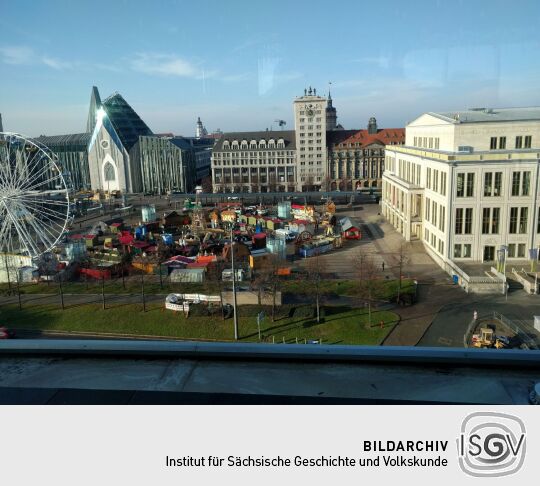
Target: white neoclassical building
{"x":467,"y":184}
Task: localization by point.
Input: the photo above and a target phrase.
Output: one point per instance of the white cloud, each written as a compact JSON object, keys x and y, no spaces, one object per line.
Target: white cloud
{"x":56,"y":63}
{"x":22,"y":55}
{"x":166,"y":65}
{"x":16,"y":54}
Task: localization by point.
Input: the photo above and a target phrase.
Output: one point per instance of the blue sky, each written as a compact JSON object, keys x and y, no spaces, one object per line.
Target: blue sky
{"x":239,"y":64}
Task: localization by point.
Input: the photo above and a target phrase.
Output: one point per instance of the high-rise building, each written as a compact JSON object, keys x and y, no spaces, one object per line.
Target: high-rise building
{"x":318,"y":154}
{"x":310,"y":132}
{"x":466,"y":184}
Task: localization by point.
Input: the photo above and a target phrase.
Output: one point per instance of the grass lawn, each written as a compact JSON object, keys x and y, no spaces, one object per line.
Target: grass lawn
{"x":385,"y":289}
{"x":341,"y":325}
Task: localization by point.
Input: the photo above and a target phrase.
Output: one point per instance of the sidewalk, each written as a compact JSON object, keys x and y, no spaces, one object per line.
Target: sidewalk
{"x":416,"y":320}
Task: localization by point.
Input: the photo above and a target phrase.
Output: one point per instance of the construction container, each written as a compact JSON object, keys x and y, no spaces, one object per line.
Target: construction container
{"x":284,"y":210}
{"x":278,"y":247}
{"x":75,"y":250}
{"x":148,"y":213}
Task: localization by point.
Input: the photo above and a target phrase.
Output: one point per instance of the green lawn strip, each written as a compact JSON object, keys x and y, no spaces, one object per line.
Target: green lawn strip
{"x":341,"y":325}
{"x":384,"y":289}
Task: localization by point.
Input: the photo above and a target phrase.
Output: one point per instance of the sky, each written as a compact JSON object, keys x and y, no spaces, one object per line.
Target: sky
{"x":240,"y":64}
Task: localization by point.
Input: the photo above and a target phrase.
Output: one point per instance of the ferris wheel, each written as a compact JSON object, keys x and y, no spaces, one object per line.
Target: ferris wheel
{"x":34,"y":197}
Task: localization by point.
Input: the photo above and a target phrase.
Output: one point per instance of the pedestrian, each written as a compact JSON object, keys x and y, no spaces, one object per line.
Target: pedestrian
{"x":383,"y":266}
{"x":475,"y":315}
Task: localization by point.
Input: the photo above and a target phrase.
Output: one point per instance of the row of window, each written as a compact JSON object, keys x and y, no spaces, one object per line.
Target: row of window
{"x":252,"y":155}
{"x":437,"y":182}
{"x":427,"y":142}
{"x":515,"y":250}
{"x":521,"y":184}
{"x":310,"y":119}
{"x":499,"y":143}
{"x":310,"y":134}
{"x":358,"y":153}
{"x":253,"y":144}
{"x":435,"y":213}
{"x":237,"y":162}
{"x":435,"y":242}
{"x":491,"y":220}
{"x":409,"y":171}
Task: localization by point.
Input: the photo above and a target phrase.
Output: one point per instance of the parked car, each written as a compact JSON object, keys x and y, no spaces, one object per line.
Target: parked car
{"x":6,"y":333}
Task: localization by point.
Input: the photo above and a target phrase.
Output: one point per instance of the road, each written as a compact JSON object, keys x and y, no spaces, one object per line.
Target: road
{"x":451,"y":322}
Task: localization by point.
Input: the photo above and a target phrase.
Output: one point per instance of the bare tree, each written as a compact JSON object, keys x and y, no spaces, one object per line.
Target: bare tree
{"x":402,"y":260}
{"x":315,"y":268}
{"x":326,"y":183}
{"x":309,"y":183}
{"x":206,"y":185}
{"x":268,"y":278}
{"x":272,"y":182}
{"x":255,"y":184}
{"x":368,"y":276}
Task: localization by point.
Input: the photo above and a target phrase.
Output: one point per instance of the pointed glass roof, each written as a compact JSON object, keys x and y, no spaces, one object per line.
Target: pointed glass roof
{"x":95,"y":105}
{"x":127,"y":124}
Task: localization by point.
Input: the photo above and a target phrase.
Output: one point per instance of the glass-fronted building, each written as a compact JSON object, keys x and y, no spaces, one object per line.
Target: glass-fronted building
{"x":72,"y":153}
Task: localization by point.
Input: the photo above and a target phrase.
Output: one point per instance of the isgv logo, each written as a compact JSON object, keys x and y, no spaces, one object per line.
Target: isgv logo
{"x":491,"y":444}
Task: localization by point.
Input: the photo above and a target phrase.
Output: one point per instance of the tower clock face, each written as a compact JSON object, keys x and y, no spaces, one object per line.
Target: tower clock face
{"x":309,"y":110}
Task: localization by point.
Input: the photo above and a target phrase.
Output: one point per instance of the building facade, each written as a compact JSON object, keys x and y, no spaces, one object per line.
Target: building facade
{"x":318,"y":155}
{"x":120,"y":153}
{"x":310,"y":117}
{"x":467,"y":184}
{"x":254,"y":162}
{"x":72,"y":157}
{"x":356,"y":157}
